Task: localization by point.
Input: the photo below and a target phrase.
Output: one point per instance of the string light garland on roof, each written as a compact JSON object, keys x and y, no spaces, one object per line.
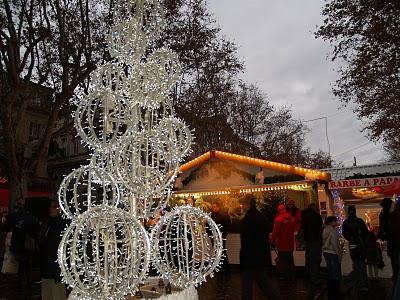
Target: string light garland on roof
{"x":243,"y":190}
{"x":128,"y":121}
{"x":307,"y":173}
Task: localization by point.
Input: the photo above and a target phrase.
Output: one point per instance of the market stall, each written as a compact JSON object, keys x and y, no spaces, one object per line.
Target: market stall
{"x":365,"y":187}
{"x":223,"y":178}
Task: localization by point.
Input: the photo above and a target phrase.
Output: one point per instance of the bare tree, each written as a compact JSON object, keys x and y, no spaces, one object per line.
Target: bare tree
{"x":365,"y":39}
{"x":54,"y":44}
{"x":250,"y":112}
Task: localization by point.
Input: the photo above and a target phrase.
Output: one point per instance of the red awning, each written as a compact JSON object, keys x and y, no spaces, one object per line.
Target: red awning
{"x":392,"y":189}
{"x":4,"y":194}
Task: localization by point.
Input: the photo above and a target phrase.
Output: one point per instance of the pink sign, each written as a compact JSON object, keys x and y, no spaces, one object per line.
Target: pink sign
{"x":365,"y":182}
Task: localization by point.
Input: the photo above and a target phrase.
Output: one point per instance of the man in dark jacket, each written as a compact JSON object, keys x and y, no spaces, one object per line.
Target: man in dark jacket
{"x":52,"y":288}
{"x":25,"y":231}
{"x":356,"y":232}
{"x":393,"y":238}
{"x":311,"y":226}
{"x":255,"y":255}
{"x":221,"y":217}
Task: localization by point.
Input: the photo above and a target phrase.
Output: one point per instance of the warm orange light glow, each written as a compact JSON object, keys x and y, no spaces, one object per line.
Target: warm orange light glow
{"x":299,"y":185}
{"x":255,"y":162}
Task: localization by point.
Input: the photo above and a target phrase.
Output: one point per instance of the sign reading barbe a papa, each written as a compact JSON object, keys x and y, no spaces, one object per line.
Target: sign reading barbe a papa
{"x":364,"y":182}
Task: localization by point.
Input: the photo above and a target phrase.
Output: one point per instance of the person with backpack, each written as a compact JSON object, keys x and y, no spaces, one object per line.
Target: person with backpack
{"x":355,"y":231}
{"x":333,"y":255}
{"x":24,"y":240}
{"x":52,"y":288}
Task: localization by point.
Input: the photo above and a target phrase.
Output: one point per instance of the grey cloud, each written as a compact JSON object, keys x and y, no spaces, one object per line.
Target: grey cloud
{"x":275,"y":38}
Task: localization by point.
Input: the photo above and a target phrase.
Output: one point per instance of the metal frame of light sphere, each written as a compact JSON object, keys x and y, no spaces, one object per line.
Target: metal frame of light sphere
{"x":104,"y":253}
{"x":187,"y":246}
{"x":87,"y":187}
{"x":127,"y":119}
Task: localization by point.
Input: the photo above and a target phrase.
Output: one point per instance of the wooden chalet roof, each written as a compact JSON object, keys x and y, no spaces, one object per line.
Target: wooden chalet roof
{"x":305,"y":172}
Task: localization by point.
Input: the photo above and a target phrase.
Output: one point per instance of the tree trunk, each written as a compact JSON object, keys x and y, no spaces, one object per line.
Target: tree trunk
{"x":18,"y":190}
{"x":41,"y":166}
{"x":15,"y":170}
{"x":40,"y":158}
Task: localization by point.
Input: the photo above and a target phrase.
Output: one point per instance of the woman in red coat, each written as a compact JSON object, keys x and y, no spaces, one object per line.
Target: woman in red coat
{"x":283,"y":238}
{"x":295,"y":213}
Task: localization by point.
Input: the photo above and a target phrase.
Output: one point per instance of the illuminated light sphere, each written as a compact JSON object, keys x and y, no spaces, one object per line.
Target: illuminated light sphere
{"x":104,"y":254}
{"x":149,"y":13}
{"x":111,"y":76}
{"x":137,"y":24}
{"x":102,"y":120}
{"x":186,"y":246}
{"x":87,"y":187}
{"x":106,"y":161}
{"x":143,"y":167}
{"x":148,"y":119}
{"x":175,"y":138}
{"x":127,"y":42}
{"x":150,"y":86}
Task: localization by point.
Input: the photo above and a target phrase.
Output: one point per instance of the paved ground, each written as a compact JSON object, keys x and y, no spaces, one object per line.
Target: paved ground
{"x":225,"y":285}
{"x":11,"y":289}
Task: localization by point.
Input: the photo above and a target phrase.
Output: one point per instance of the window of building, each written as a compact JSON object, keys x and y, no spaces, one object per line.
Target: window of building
{"x":76,"y":147}
{"x":34,"y":131}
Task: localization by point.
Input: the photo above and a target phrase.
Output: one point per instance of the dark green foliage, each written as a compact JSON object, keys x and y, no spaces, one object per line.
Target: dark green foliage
{"x":269,"y":204}
{"x":365,"y":35}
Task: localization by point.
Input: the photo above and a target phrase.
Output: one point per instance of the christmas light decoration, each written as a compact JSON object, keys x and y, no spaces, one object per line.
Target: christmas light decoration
{"x":187,"y":246}
{"x":105,"y":253}
{"x":87,"y":187}
{"x":305,"y":172}
{"x":338,"y":205}
{"x":127,"y":120}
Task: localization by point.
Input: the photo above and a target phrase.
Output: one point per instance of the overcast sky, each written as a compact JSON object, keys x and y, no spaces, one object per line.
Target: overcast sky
{"x":276,"y":42}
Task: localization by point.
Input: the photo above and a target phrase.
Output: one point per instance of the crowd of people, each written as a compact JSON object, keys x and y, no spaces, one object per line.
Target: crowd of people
{"x":23,"y":235}
{"x":292,"y":226}
{"x":31,"y":241}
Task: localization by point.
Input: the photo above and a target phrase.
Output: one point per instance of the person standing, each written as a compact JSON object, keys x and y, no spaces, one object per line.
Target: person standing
{"x":283,"y":238}
{"x":52,"y":288}
{"x":356,"y":232}
{"x":333,"y":256}
{"x":373,"y":256}
{"x":295,"y":213}
{"x":221,"y":217}
{"x":3,"y":235}
{"x":311,"y":226}
{"x":255,"y":255}
{"x":386,"y":205}
{"x":393,"y":238}
{"x":396,"y":292}
{"x":25,"y":231}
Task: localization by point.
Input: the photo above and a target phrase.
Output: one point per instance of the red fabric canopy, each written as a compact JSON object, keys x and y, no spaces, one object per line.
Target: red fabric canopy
{"x":392,"y":189}
{"x":4,"y":194}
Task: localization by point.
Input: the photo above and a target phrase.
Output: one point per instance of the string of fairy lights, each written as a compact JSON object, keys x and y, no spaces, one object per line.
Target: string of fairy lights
{"x":128,"y":122}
